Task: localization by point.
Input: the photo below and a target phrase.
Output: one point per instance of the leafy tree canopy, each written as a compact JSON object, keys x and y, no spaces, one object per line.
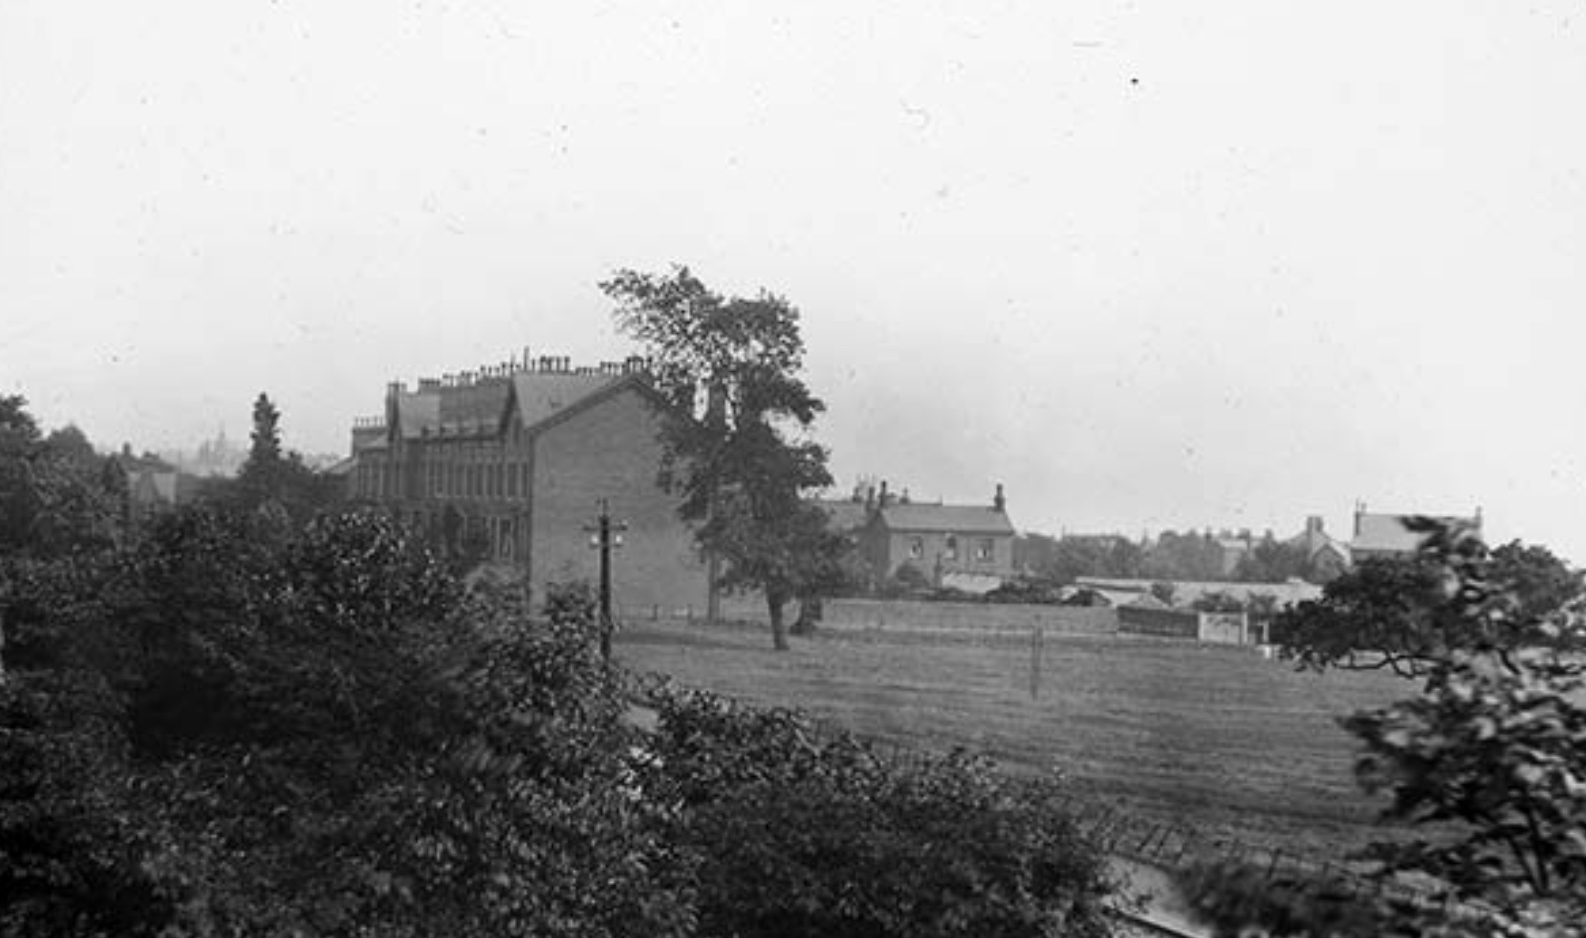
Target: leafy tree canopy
{"x":1407,"y":614}
{"x":734,"y":437}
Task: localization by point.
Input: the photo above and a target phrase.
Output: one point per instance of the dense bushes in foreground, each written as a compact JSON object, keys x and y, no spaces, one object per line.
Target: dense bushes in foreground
{"x":235,"y":724}
{"x":805,"y":833}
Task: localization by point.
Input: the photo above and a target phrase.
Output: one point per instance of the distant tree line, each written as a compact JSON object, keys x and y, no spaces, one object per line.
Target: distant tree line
{"x":1171,"y":556}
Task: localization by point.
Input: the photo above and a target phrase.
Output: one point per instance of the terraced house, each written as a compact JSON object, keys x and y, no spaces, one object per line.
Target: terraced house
{"x":513,"y":461}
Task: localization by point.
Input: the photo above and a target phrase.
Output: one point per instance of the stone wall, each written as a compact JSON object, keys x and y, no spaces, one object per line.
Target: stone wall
{"x":905,"y":615}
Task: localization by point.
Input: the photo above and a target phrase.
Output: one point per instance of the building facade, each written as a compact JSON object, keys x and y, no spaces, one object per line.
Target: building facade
{"x":512,"y":463}
{"x":967,"y":547}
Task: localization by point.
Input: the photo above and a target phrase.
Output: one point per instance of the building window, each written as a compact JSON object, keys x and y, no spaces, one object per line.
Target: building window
{"x":916,"y":547}
{"x":985,"y":550}
{"x":950,"y":552}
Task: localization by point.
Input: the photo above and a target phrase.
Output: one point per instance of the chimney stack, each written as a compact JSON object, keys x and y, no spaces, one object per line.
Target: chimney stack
{"x":999,"y":504}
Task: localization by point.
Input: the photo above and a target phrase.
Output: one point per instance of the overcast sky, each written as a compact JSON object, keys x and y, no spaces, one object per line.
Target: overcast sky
{"x":1224,"y":263}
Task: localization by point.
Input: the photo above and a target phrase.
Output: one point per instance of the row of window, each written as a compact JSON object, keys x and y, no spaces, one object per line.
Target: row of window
{"x":495,"y":480}
{"x":476,"y":480}
{"x":985,"y":549}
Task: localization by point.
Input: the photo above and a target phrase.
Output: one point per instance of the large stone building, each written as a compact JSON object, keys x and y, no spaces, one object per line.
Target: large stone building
{"x":514,"y":461}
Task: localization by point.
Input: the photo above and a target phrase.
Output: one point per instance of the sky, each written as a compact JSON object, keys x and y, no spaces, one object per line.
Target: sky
{"x":1151,"y":265}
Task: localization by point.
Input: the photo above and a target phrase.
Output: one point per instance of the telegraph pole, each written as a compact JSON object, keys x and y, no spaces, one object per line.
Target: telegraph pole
{"x":607,"y":534}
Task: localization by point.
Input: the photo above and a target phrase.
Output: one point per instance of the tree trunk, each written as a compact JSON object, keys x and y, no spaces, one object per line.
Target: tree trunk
{"x":774,"y":604}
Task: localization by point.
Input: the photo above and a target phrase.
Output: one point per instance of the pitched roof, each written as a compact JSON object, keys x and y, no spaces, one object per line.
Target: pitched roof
{"x":542,"y":394}
{"x":961,"y":519}
{"x":1388,"y":533}
{"x":1314,"y":542}
{"x":481,"y":406}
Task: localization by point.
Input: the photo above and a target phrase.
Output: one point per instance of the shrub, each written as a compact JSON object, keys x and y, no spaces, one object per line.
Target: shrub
{"x":805,"y":833}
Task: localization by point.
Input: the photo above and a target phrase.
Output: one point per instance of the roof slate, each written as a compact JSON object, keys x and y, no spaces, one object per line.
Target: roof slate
{"x":1387,"y":533}
{"x":967,"y":519}
{"x":480,"y":407}
{"x":541,"y":395}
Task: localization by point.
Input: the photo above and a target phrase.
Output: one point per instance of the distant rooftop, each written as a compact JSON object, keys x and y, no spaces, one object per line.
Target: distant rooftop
{"x":969,"y":519}
{"x":1388,"y":533}
{"x":472,"y":402}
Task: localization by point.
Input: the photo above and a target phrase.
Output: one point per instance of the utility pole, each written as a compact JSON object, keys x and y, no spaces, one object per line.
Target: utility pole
{"x":606,"y":535}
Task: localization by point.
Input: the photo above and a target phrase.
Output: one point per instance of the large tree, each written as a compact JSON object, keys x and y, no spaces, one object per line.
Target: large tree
{"x":734,"y":436}
{"x":1404,"y":613}
{"x":272,"y":474}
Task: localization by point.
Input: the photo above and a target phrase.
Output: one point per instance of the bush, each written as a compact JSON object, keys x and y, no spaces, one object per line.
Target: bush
{"x":311,"y":731}
{"x":1028,"y":591}
{"x":798,"y":833}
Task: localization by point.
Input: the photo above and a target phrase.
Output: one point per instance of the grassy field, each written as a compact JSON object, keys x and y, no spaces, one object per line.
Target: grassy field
{"x":1215,"y":738}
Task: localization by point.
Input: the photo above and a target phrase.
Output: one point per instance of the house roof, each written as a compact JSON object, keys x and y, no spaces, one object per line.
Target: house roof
{"x":1314,"y":542}
{"x":482,"y":406}
{"x":960,"y":519}
{"x":150,"y":486}
{"x":416,"y":412}
{"x":541,"y":395}
{"x":1388,"y":533}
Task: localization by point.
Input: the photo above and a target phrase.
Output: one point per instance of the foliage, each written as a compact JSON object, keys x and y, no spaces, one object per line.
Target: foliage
{"x":1163,"y":592}
{"x":1026,"y":590}
{"x":1218,"y":601}
{"x":1087,"y":598}
{"x":729,"y":369}
{"x":1490,"y":757}
{"x":247,"y":727}
{"x":1273,"y":561}
{"x":1409,"y":614}
{"x":1496,"y":747}
{"x":1064,"y":560}
{"x":1188,"y":556}
{"x":56,"y":495}
{"x":800,"y":832}
{"x":1230,"y":896}
{"x":907,"y":580}
{"x":274,"y":476}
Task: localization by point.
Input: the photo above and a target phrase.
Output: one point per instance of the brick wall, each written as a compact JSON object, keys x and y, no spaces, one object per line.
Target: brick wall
{"x":609,"y":450}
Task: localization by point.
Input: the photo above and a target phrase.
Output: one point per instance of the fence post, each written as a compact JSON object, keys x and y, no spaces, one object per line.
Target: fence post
{"x":1037,"y":643}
